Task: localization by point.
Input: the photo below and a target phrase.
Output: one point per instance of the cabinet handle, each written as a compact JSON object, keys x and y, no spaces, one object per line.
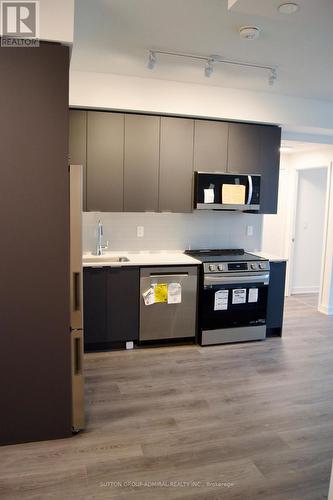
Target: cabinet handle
{"x":77,"y":291}
{"x":77,"y":355}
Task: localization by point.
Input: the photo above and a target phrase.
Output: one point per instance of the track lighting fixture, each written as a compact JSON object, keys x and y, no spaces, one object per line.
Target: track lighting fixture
{"x":152,"y":59}
{"x":209,"y":68}
{"x":209,"y":62}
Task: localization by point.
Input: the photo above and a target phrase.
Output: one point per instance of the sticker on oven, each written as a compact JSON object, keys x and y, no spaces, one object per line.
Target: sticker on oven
{"x":239,"y":296}
{"x":253,"y":295}
{"x":221,"y":300}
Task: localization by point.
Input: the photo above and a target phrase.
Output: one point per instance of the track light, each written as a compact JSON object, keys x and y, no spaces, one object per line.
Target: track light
{"x":152,"y":60}
{"x":272,"y":77}
{"x":209,"y":68}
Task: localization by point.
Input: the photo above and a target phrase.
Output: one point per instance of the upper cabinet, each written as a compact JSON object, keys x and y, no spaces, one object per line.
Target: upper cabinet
{"x":141,"y":163}
{"x":145,"y":163}
{"x":243,"y":148}
{"x":210,"y":146}
{"x":176,"y":165}
{"x":105,"y":156}
{"x":270,"y":140}
{"x":78,"y":143}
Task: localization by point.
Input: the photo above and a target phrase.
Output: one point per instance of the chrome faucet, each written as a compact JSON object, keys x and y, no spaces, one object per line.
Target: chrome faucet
{"x":100,"y":247}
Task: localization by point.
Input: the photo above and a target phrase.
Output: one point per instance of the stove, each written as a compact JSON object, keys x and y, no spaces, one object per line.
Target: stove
{"x":223,"y":260}
{"x":232,"y":295}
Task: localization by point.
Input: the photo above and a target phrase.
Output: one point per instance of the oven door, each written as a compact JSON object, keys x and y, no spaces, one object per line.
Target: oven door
{"x":234,"y":300}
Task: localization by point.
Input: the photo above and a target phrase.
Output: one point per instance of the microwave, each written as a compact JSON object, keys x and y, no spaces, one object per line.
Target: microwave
{"x":224,"y":191}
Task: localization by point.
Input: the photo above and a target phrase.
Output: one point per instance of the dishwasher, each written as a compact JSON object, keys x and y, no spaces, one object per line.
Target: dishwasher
{"x":168,"y":317}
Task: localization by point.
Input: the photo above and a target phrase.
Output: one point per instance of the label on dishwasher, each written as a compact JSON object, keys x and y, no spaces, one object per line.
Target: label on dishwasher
{"x":174,"y":293}
{"x":221,"y":300}
{"x":239,"y":296}
{"x":253,"y":295}
{"x":149,"y":296}
{"x":161,"y":292}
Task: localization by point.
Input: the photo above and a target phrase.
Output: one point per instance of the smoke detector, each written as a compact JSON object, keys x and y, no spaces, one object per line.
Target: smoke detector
{"x":288,"y":8}
{"x":249,"y":32}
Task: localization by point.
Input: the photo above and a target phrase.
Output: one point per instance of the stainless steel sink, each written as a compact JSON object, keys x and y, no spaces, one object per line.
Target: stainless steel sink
{"x":105,"y":258}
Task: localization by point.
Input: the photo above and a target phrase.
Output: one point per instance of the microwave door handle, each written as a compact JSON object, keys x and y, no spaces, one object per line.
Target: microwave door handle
{"x":249,"y":198}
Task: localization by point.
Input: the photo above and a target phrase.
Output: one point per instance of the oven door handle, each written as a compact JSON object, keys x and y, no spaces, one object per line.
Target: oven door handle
{"x":237,"y":280}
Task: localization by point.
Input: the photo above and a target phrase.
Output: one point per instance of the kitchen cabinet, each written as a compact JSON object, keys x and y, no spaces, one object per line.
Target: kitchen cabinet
{"x":94,"y":306}
{"x":210,"y":146}
{"x":141,"y":163}
{"x":111,"y":306}
{"x":78,"y":143}
{"x":176,"y":165}
{"x":269,"y":168}
{"x":123,"y":286}
{"x":105,"y":150}
{"x":275,"y":302}
{"x":243,"y":148}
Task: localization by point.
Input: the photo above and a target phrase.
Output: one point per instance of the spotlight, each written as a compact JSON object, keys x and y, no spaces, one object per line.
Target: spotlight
{"x":152,"y":60}
{"x":209,"y":68}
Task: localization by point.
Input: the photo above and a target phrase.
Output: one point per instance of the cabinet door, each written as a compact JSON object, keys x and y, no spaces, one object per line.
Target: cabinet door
{"x":210,"y":146}
{"x":141,"y":165}
{"x":105,"y":146}
{"x":78,"y":144}
{"x":176,"y":165}
{"x":123,"y":304}
{"x":95,"y":302}
{"x":276,"y":292}
{"x":244,"y":148}
{"x":270,"y":142}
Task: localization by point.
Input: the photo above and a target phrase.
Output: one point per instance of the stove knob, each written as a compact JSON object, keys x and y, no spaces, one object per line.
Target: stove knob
{"x":212,"y":267}
{"x":253,"y":266}
{"x":261,"y":266}
{"x":220,"y":267}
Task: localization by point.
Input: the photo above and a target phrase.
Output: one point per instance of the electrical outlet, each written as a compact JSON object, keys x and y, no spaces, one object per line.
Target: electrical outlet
{"x":129,"y":345}
{"x":140,"y":231}
{"x":249,"y":230}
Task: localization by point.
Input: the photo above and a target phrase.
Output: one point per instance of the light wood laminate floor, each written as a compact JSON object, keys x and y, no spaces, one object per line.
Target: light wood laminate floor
{"x":246,"y":421}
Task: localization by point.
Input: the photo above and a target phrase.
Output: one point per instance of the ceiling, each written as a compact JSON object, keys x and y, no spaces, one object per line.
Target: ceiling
{"x":112,"y":36}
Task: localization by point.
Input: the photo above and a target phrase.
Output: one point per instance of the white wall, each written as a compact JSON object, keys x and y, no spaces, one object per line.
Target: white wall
{"x":309,"y":230}
{"x":110,"y":91}
{"x":167,"y":231}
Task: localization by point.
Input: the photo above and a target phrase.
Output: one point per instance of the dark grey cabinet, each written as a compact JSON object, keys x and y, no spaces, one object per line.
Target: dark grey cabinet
{"x":105,"y":150}
{"x":123,"y":286}
{"x":275,"y":303}
{"x":243,"y":148}
{"x":144,"y":163}
{"x":78,"y":144}
{"x":176,"y":165}
{"x":269,"y":168}
{"x":210,"y":146}
{"x":95,"y":307}
{"x":111,"y":306}
{"x":141,"y":163}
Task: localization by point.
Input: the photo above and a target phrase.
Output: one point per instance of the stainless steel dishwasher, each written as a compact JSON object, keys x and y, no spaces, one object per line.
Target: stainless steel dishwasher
{"x":169,"y":320}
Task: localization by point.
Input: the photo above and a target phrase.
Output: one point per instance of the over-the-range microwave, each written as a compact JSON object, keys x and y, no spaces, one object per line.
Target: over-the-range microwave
{"x":224,"y":191}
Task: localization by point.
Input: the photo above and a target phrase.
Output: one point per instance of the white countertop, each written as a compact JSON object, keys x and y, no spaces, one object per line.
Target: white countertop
{"x":144,"y":258}
{"x":270,"y":257}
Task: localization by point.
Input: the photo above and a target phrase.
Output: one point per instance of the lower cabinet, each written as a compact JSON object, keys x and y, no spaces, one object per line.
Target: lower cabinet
{"x":111,"y":306}
{"x":276,"y":293}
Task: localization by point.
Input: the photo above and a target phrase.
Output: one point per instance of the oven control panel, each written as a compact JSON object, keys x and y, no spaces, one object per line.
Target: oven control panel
{"x":231,"y":267}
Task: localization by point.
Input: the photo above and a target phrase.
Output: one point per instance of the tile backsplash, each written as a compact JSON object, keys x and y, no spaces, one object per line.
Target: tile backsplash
{"x":169,"y":231}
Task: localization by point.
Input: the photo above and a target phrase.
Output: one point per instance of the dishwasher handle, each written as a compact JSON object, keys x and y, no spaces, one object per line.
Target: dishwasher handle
{"x":180,"y":275}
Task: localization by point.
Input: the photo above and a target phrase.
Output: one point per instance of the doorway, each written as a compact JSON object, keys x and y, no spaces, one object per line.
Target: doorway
{"x":309,"y":227}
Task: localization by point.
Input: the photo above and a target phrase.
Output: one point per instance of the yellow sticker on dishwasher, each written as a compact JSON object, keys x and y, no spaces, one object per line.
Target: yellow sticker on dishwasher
{"x":161,"y":292}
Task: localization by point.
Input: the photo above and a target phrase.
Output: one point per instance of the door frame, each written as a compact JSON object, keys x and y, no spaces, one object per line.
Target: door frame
{"x":291,"y":232}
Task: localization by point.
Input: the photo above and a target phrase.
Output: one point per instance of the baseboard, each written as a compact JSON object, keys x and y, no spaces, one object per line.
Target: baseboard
{"x":305,"y":289}
{"x":326,"y":310}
